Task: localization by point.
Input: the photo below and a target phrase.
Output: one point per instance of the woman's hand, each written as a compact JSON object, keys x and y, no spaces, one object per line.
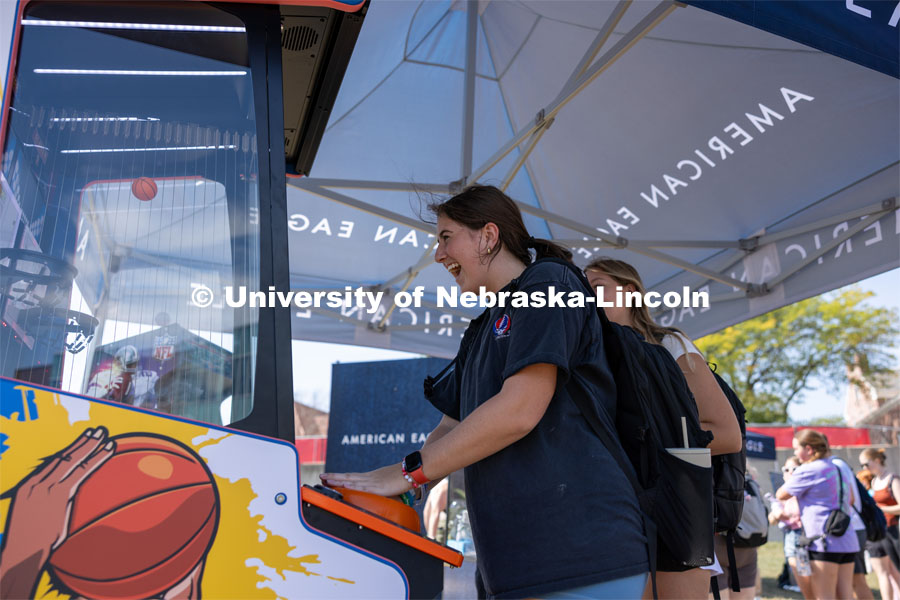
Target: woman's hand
{"x":782,"y":493}
{"x":41,"y":506}
{"x":189,"y":587}
{"x":775,"y":515}
{"x":386,"y":481}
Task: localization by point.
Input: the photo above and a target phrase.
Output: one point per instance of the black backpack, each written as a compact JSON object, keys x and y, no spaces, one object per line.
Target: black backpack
{"x":876,"y":524}
{"x":729,"y":481}
{"x":729,"y":469}
{"x":652,"y":401}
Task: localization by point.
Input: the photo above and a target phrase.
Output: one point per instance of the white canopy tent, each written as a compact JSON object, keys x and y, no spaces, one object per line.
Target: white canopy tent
{"x":706,"y":152}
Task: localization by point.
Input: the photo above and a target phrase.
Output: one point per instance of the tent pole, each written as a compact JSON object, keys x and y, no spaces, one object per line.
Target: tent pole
{"x":767,"y":286}
{"x":752,"y":243}
{"x":525,"y":153}
{"x":468,"y":123}
{"x":354,"y":184}
{"x":568,"y":93}
{"x":601,"y":39}
{"x":621,"y":242}
{"x":573,"y":243}
{"x":413,"y":271}
{"x":366,"y":207}
{"x":880,"y":207}
{"x":827,"y":247}
{"x":426,"y":260}
{"x":544,"y":124}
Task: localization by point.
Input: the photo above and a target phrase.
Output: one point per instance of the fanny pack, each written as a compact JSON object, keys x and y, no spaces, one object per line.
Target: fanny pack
{"x":837,"y":522}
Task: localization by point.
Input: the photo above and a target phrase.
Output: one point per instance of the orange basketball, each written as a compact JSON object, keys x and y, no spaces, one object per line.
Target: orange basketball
{"x":140,"y":523}
{"x":144,"y":188}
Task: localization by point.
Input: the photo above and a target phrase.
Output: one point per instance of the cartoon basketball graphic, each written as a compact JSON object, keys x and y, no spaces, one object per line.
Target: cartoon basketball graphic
{"x":141,"y":523}
{"x":144,"y":189}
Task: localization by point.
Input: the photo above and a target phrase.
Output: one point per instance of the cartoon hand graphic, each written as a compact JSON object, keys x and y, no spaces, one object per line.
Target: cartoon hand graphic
{"x":189,"y":587}
{"x":39,"y":514}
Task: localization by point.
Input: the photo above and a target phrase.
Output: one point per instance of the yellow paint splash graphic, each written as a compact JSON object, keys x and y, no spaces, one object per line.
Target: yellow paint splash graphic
{"x":227,"y":571}
{"x":245,"y":558}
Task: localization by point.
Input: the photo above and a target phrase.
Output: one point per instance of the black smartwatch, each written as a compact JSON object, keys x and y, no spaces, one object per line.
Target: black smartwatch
{"x":412,"y":466}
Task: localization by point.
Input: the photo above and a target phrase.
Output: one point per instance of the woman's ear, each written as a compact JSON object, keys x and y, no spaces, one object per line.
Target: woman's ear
{"x":629,"y":288}
{"x":490,"y":236}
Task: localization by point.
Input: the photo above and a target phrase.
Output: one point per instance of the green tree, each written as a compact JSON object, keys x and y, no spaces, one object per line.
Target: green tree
{"x":771,"y":359}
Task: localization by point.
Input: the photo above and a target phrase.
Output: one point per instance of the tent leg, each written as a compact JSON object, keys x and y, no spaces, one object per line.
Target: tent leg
{"x":468,"y":132}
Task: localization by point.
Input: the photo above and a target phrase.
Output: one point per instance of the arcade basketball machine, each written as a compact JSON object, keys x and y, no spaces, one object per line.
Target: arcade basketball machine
{"x":145,"y":425}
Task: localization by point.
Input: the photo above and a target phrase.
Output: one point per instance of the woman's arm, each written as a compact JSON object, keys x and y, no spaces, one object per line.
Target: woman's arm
{"x":895,"y":490}
{"x":501,"y":421}
{"x":782,"y":493}
{"x":714,"y":408}
{"x":443,"y":428}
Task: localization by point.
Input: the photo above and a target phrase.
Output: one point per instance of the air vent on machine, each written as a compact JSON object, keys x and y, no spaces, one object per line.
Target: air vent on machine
{"x":297,"y":39}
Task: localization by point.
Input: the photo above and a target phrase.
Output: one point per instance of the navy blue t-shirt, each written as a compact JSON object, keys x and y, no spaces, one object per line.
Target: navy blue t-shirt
{"x":552,"y":511}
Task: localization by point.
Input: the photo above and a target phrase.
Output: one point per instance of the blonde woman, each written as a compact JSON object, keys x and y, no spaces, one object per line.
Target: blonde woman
{"x":716,"y":414}
{"x":885,"y":489}
{"x":816,"y":484}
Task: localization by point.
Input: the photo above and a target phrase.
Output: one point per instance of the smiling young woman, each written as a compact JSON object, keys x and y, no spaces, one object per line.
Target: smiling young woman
{"x":550,"y":509}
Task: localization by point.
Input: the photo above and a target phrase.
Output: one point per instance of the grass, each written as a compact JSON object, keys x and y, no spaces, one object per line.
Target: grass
{"x":770,"y":559}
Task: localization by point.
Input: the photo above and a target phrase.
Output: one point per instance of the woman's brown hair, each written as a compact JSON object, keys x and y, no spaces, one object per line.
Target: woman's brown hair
{"x":479,"y":205}
{"x":815,"y":440}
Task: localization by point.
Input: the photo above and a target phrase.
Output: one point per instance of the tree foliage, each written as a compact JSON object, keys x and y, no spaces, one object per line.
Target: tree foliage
{"x":770,"y":360}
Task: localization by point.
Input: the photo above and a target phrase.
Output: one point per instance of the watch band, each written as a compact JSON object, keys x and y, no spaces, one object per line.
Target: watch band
{"x":412,"y":469}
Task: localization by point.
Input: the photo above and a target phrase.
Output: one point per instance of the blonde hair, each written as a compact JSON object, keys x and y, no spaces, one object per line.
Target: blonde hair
{"x":624,"y":274}
{"x":875,"y":454}
{"x":815,"y":440}
{"x":865,"y":477}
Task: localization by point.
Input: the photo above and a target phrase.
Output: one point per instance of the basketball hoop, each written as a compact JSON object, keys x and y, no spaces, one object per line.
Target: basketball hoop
{"x":32,"y":279}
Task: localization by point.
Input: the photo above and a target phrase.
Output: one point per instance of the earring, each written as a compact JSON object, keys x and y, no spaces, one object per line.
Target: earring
{"x":489,"y":250}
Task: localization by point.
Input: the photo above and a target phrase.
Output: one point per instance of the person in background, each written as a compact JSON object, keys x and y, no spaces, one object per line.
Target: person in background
{"x":715,"y":412}
{"x":787,"y":516}
{"x":816,"y":485}
{"x":885,"y":489}
{"x":858,"y":581}
{"x":435,"y":511}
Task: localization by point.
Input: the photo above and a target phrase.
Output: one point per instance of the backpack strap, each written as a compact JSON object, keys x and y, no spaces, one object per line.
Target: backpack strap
{"x":840,"y":505}
{"x":732,"y":563}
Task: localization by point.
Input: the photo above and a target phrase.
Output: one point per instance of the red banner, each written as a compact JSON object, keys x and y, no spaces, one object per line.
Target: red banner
{"x":837,"y":436}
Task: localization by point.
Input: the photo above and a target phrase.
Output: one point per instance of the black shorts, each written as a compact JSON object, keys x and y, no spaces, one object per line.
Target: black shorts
{"x":841,"y":558}
{"x":886,"y":546}
{"x":859,"y":563}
